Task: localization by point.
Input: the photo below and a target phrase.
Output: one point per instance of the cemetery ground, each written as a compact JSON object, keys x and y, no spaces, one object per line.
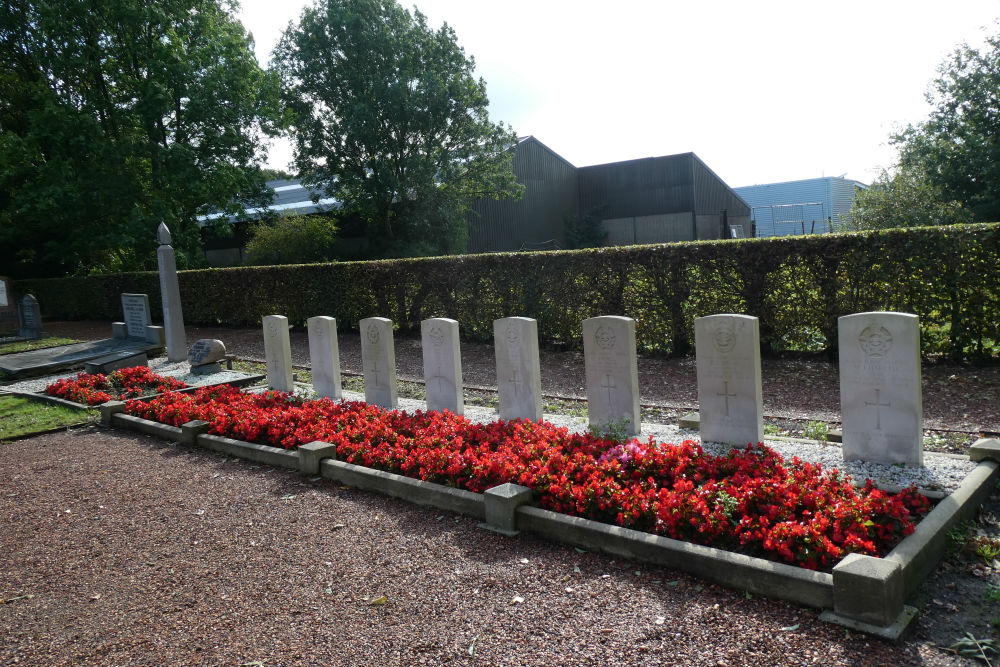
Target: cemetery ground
{"x":244,"y":564}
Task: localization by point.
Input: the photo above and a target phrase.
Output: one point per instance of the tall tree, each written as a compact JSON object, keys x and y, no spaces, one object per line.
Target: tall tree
{"x":958,"y":146}
{"x":904,"y":198}
{"x":116,"y":115}
{"x":389,"y":119}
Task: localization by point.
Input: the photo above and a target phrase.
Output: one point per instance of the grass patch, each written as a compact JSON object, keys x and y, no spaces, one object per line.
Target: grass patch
{"x":42,"y":343}
{"x":22,"y":416}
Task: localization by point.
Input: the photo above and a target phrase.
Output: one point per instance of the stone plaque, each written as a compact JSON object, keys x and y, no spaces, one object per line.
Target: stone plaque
{"x":880,"y":387}
{"x":324,"y":356}
{"x":442,"y":365}
{"x":519,"y":375}
{"x":612,"y":372}
{"x":135,"y":311}
{"x":278,"y":353}
{"x":206,"y":351}
{"x":730,"y":400}
{"x":378,"y":360}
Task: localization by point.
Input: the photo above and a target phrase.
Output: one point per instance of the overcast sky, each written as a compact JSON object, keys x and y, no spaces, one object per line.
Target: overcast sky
{"x":762,"y":91}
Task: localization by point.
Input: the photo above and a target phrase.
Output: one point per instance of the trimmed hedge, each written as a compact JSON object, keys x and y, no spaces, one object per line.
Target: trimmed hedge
{"x":797,"y":286}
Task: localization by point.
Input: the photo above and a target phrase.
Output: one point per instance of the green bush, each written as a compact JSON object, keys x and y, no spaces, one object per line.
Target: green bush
{"x":293,"y":239}
{"x":797,"y":286}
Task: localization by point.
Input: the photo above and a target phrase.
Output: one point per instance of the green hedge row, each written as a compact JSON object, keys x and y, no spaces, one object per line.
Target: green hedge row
{"x":797,"y":286}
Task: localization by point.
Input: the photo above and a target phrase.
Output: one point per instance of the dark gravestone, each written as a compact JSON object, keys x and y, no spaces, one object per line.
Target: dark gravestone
{"x":31,"y":318}
{"x":113,"y":362}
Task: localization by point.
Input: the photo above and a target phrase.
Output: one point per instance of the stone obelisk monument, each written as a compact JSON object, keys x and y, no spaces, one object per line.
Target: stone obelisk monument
{"x":173,"y":318}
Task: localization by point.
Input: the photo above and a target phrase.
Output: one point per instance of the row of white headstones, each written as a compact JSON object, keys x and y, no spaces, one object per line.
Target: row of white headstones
{"x":880,"y":375}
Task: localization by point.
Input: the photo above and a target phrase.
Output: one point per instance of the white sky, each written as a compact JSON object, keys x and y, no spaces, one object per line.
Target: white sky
{"x":761,"y":90}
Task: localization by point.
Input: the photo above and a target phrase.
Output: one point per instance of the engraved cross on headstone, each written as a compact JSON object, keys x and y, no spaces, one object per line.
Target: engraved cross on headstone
{"x":375,"y":371}
{"x":878,"y":405}
{"x":725,"y":393}
{"x":514,"y":381}
{"x":609,"y":384}
{"x":439,"y":377}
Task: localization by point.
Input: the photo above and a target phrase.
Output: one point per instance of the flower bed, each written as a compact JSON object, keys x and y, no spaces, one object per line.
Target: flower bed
{"x":122,"y":384}
{"x":750,"y":501}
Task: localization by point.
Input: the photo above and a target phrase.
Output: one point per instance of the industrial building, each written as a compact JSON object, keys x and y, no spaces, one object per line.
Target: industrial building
{"x":650,"y":200}
{"x":809,"y":206}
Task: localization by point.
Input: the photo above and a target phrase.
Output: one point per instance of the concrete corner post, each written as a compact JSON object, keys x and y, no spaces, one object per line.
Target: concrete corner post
{"x":501,"y":503}
{"x":311,"y":453}
{"x":110,"y":408}
{"x":868,"y":589}
{"x":192,"y":429}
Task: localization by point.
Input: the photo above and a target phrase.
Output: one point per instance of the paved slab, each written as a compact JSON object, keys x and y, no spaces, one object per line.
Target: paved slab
{"x":40,"y":362}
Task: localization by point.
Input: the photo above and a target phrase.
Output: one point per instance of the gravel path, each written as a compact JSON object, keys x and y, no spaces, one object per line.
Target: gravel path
{"x":121,"y":549}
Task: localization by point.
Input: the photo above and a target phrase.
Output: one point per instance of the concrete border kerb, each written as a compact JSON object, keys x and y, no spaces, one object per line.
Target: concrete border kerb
{"x":862,"y":593}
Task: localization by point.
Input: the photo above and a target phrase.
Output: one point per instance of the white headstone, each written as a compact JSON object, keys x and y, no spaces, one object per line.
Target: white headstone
{"x":278,"y":353}
{"x":612,"y":372}
{"x":442,"y":365}
{"x":730,"y":401}
{"x":135,"y":311}
{"x":324,"y":356}
{"x":880,"y":388}
{"x":519,"y":375}
{"x":170,"y":293}
{"x":378,"y":360}
{"x":3,"y":293}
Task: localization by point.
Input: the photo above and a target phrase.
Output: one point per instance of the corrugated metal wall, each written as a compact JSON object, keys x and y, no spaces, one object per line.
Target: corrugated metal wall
{"x":550,"y":194}
{"x":712,"y":197}
{"x":649,"y":186}
{"x":781,"y":209}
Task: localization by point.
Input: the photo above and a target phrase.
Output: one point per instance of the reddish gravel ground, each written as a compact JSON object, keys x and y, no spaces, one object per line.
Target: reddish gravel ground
{"x":123,"y":549}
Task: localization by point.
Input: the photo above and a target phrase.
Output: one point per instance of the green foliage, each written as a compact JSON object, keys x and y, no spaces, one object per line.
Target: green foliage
{"x":585,"y":231}
{"x":20,"y":417}
{"x":787,"y":282}
{"x":970,"y":647}
{"x":616,"y":430}
{"x":389,"y":120}
{"x":293,"y":239}
{"x":816,"y":431}
{"x":117,"y":115}
{"x":904,"y":199}
{"x":956,"y":146}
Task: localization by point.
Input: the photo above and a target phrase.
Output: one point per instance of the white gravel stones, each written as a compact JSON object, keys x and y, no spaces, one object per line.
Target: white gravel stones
{"x":160,"y":366}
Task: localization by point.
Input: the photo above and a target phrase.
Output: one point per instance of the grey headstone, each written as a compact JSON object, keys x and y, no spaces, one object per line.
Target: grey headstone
{"x":170,"y":292}
{"x":278,"y":353}
{"x":442,"y":365}
{"x":324,"y":356}
{"x":4,"y":290}
{"x":880,"y":388}
{"x":730,"y":401}
{"x":519,"y":375}
{"x":378,"y":359}
{"x":612,"y":372}
{"x":31,"y":318}
{"x":135,"y":312}
{"x":206,"y":351}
